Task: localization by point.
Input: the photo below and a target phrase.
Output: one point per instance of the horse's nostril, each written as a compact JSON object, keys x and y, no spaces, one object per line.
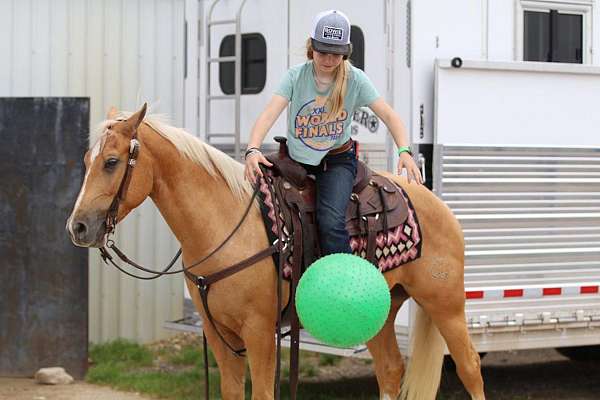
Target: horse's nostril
{"x":80,"y":228}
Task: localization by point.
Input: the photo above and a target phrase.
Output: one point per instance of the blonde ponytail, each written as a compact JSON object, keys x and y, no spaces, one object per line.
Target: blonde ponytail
{"x":335,"y":100}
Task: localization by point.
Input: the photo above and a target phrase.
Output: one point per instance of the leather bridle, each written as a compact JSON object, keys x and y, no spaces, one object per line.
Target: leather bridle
{"x":113,"y":210}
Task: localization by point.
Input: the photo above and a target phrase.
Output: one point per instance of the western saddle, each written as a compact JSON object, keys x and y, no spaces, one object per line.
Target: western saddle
{"x":376,"y":206}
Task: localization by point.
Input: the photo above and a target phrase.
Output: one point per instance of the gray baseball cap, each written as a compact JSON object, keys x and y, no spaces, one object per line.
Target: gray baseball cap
{"x":331,"y":33}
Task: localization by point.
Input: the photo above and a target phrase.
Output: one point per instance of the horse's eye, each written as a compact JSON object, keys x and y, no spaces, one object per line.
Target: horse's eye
{"x":111,"y":163}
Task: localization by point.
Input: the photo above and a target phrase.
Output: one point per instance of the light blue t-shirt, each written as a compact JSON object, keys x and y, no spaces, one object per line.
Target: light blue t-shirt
{"x":309,"y":134}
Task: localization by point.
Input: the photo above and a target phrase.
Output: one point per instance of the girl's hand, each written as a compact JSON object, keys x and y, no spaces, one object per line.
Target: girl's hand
{"x":252,"y":168}
{"x":412,"y":171}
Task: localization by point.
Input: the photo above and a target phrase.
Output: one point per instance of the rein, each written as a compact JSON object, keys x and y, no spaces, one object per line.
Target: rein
{"x":111,"y":222}
{"x":201,"y":282}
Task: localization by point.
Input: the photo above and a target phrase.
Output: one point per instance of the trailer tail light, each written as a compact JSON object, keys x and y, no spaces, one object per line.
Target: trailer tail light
{"x":552,"y":291}
{"x":478,"y":294}
{"x":513,"y":293}
{"x":589,"y":289}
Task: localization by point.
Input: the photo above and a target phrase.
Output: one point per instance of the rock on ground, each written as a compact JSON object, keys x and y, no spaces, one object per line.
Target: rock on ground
{"x":53,"y":376}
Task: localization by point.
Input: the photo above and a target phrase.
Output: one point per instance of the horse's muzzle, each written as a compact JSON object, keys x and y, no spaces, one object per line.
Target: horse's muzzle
{"x":87,"y":232}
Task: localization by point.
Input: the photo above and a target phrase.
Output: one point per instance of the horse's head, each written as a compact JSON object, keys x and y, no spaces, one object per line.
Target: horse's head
{"x":99,"y":203}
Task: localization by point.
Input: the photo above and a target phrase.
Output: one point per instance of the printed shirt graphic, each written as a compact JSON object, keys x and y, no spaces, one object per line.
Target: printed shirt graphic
{"x":310,"y":133}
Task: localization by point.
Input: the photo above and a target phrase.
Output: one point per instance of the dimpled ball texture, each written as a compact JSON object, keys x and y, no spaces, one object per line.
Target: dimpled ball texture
{"x":342,"y":300}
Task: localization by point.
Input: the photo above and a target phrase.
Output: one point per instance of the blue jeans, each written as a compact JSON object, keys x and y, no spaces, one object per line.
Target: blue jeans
{"x":334,"y":181}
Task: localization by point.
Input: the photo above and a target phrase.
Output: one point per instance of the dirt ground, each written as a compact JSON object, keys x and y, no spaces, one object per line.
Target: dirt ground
{"x":27,"y":389}
{"x":520,"y":375}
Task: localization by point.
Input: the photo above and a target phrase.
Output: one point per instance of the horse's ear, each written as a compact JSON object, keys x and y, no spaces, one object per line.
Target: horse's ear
{"x":136,"y":119}
{"x":112,"y":113}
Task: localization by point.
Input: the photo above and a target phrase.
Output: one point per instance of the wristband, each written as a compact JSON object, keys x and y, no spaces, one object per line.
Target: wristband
{"x":404,"y":149}
{"x":250,"y":151}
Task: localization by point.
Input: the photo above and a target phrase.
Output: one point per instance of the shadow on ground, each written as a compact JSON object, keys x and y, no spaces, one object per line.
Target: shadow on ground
{"x":507,"y":376}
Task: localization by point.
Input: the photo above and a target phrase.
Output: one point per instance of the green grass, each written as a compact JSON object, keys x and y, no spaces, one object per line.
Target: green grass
{"x":328,"y":359}
{"x":178,"y":373}
{"x":121,"y":352}
{"x":128,"y":366}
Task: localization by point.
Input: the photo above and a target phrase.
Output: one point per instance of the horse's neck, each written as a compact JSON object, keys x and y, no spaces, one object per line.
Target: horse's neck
{"x":199,"y":209}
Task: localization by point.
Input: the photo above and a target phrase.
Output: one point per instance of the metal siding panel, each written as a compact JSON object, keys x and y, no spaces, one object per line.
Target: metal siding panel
{"x":82,"y":59}
{"x":178,"y":61}
{"x":146,"y":242}
{"x":147,"y":48}
{"x":6,"y":45}
{"x":163,"y":254}
{"x":21,"y":55}
{"x":164,"y":55}
{"x":168,"y":82}
{"x":40,"y":48}
{"x":129,"y":229}
{"x":176,"y":288}
{"x":110,"y":301}
{"x":95,"y":59}
{"x":146,"y":290}
{"x":130,"y":63}
{"x":192,"y":11}
{"x":128,"y":286}
{"x":113,"y":41}
{"x":78,"y":41}
{"x":111,"y":278}
{"x":95,"y":309}
{"x":59,"y":48}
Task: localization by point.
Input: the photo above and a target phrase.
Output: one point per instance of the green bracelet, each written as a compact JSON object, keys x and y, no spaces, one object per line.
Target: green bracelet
{"x":404,"y":149}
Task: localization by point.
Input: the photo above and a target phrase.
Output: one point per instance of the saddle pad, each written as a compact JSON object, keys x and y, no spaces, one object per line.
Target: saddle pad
{"x":400,"y":245}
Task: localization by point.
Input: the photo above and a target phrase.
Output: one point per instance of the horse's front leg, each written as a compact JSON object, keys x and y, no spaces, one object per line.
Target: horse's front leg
{"x":258,"y":335}
{"x":232,"y":368}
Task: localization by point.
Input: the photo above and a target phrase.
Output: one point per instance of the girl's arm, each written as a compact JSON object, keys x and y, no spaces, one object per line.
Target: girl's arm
{"x":398,"y":131}
{"x":392,"y":120}
{"x":263,"y":123}
{"x":266,"y":119}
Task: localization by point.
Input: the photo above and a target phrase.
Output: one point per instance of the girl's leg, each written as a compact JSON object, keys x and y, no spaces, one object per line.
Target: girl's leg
{"x":334,"y":187}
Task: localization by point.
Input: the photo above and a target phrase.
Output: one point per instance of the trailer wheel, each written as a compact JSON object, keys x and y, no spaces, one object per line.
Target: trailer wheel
{"x":581,"y":353}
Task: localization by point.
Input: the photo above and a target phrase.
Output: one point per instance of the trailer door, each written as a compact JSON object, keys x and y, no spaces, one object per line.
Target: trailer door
{"x":369,"y":37}
{"x":517,"y":158}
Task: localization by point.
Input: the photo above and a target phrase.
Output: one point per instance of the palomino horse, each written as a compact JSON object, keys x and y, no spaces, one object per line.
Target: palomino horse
{"x":202,"y":194}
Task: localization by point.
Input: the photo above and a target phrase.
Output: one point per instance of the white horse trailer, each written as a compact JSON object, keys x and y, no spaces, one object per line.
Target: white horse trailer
{"x":500,"y":98}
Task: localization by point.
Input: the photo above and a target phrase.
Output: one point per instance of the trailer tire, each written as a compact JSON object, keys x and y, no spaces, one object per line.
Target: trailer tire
{"x":581,"y":353}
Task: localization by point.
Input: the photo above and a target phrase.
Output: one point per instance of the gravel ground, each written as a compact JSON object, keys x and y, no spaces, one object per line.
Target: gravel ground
{"x":519,"y":375}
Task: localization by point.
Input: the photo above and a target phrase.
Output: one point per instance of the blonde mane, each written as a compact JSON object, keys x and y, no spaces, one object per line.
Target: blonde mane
{"x":213,"y":160}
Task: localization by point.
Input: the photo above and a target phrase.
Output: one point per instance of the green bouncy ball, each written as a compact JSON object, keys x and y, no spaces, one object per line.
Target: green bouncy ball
{"x":342,"y":300}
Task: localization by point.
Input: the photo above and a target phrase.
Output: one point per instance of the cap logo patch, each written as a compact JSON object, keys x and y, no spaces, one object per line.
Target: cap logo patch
{"x":330,"y":32}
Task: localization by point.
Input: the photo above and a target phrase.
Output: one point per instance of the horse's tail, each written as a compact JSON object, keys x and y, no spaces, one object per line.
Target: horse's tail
{"x":422,"y":378}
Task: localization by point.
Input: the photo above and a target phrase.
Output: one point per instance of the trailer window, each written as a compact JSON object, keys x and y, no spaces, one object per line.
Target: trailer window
{"x":254,"y":64}
{"x":358,"y":47}
{"x":553,"y":37}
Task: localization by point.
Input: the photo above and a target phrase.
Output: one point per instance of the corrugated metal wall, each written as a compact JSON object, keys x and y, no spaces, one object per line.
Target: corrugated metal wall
{"x":115,"y":52}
